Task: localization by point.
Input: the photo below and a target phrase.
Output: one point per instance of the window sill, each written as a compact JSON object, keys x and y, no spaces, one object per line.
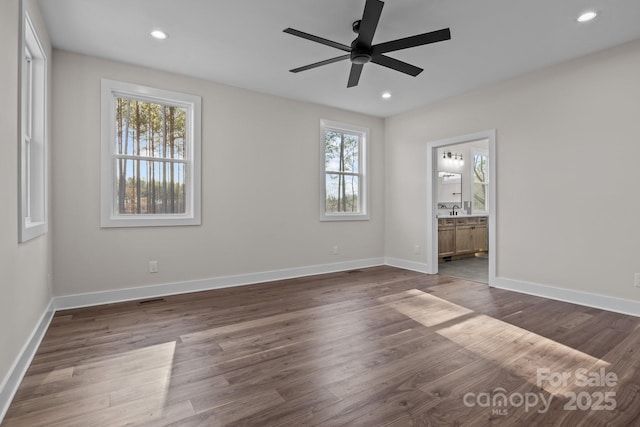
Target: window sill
{"x":148,"y":221}
{"x":32,"y":230}
{"x":344,"y":217}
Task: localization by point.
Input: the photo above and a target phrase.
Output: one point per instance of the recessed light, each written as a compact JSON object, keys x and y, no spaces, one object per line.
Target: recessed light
{"x":587,"y":16}
{"x":386,"y":95}
{"x":160,"y":35}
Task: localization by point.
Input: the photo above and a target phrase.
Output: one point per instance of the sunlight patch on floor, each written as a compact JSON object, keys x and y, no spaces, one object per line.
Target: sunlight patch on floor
{"x":424,"y":308}
{"x":130,"y":398}
{"x":516,"y":349}
{"x":118,"y":389}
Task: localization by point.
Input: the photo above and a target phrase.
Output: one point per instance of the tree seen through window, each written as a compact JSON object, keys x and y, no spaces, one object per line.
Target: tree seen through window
{"x":480,"y":182}
{"x":150,"y":157}
{"x":342,"y":174}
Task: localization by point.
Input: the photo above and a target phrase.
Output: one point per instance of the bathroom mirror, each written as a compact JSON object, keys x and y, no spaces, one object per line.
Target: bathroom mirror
{"x":450,"y":188}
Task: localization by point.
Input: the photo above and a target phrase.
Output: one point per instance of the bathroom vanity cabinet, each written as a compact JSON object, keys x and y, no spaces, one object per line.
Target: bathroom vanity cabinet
{"x":462,"y":237}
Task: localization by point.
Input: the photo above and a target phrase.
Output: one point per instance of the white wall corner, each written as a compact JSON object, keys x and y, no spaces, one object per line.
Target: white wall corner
{"x":603,"y":302}
{"x":420,"y":267}
{"x":12,"y":381}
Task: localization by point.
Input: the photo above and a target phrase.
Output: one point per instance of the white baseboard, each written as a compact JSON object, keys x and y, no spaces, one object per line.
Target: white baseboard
{"x":618,"y":305}
{"x":407,"y":265}
{"x":12,"y":381}
{"x":153,"y":291}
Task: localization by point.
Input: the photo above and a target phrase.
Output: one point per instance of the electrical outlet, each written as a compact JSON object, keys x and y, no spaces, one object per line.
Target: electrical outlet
{"x":636,"y":280}
{"x":335,"y":250}
{"x":416,"y":249}
{"x":153,"y":266}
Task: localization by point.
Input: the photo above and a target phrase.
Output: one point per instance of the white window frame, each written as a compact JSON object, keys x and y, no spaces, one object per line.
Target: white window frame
{"x":485,"y":154}
{"x":112,"y":89}
{"x":363,"y":196}
{"x":32,"y":164}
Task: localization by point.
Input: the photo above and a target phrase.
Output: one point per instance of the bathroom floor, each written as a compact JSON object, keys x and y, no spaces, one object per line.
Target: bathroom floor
{"x":476,"y":268}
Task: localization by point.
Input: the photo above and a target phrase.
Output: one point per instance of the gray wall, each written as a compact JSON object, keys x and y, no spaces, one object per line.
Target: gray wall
{"x":260,"y":187}
{"x":567,"y":172}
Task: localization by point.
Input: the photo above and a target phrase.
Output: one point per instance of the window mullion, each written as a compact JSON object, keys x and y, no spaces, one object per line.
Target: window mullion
{"x":149,"y":158}
{"x":329,"y":172}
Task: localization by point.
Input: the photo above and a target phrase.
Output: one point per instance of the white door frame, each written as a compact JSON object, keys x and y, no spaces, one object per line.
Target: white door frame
{"x":432,"y":192}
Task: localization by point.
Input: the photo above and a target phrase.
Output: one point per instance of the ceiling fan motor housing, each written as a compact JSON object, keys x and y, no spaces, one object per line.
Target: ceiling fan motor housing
{"x":359,"y":54}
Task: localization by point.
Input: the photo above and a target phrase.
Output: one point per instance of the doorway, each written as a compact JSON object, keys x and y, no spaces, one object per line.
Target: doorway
{"x":466,"y":213}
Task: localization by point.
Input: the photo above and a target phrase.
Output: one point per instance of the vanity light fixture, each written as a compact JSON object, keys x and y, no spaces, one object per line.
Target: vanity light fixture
{"x":453,"y":159}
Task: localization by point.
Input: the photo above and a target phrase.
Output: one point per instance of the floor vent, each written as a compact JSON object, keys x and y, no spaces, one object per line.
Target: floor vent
{"x":151,"y":301}
{"x":354,"y":271}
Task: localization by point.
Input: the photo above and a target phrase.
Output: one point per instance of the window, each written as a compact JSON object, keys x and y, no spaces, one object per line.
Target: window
{"x":344,"y":195}
{"x":32,"y":205}
{"x":150,"y":156}
{"x":480,"y":182}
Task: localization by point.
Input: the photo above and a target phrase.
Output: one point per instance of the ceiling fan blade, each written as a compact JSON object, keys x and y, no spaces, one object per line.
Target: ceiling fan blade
{"x":369,"y":22}
{"x":413,"y":41}
{"x":317,"y":39}
{"x":354,"y":75}
{"x":394,"y":64}
{"x":318,"y":64}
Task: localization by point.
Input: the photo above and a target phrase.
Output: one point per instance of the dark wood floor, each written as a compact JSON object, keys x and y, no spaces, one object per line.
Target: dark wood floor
{"x":376,"y":347}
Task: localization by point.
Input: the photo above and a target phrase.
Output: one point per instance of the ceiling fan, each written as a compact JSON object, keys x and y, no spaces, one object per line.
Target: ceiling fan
{"x":362,"y":51}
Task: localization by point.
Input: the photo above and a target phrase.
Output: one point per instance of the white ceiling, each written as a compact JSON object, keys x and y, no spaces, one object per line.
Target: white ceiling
{"x":241,"y":42}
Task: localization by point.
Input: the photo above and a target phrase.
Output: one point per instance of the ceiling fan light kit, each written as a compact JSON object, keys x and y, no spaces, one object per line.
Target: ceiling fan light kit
{"x":361,"y":51}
